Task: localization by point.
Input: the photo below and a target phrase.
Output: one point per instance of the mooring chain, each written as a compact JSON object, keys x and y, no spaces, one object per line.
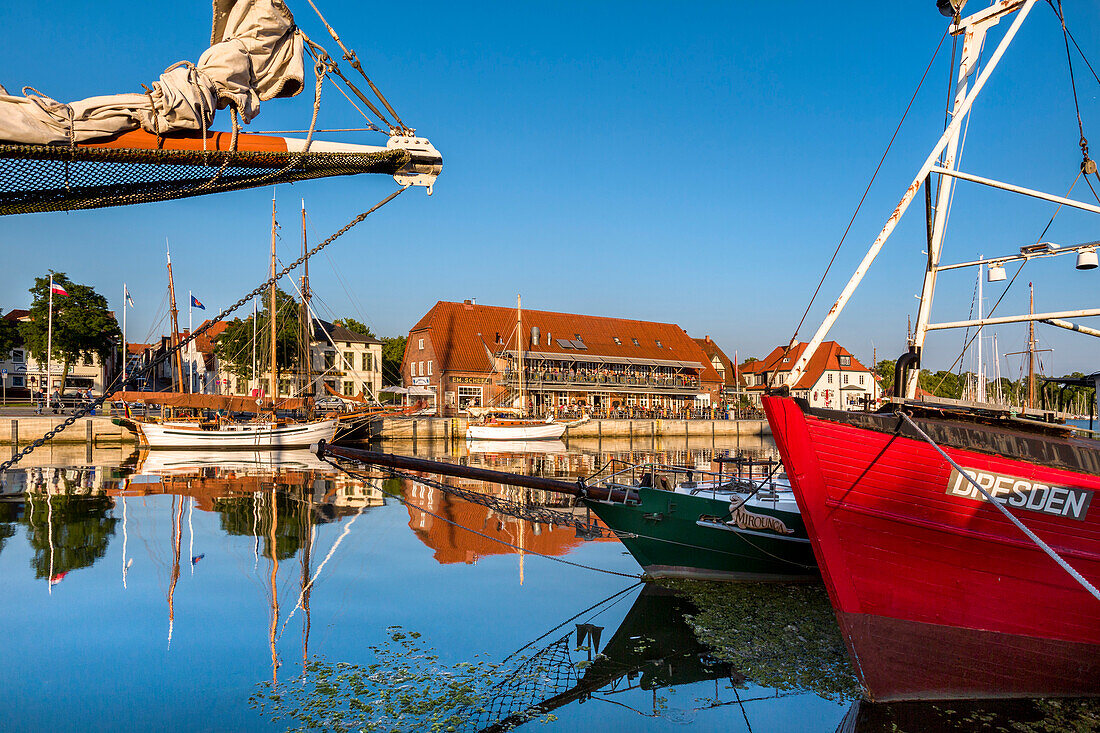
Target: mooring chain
{"x":169,"y":353}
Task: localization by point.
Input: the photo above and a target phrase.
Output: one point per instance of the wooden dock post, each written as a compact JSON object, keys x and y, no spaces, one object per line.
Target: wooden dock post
{"x":88,"y":440}
{"x":14,"y":437}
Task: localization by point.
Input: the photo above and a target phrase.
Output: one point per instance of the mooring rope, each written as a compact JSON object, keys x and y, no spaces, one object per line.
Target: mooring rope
{"x":1004,"y":510}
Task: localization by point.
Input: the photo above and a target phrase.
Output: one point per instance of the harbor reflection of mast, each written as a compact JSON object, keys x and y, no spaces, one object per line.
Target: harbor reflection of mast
{"x":307,"y":586}
{"x":274,"y":589}
{"x":177,"y":536}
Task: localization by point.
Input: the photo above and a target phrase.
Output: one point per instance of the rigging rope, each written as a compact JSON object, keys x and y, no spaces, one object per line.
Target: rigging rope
{"x":863,"y":198}
{"x":1004,"y":510}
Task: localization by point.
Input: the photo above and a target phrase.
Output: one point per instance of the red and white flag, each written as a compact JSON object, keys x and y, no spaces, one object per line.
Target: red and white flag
{"x":55,"y":288}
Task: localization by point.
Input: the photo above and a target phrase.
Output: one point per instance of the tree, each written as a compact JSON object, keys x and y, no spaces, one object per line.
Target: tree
{"x":885,"y":369}
{"x":393,"y":354}
{"x":234,"y":344}
{"x":83,"y":325}
{"x":353,"y":325}
{"x":9,"y":337}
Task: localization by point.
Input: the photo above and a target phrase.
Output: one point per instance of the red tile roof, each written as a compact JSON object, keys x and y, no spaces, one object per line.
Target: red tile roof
{"x":461,"y":332}
{"x":826,"y":358}
{"x":17,"y":314}
{"x":711,"y":349}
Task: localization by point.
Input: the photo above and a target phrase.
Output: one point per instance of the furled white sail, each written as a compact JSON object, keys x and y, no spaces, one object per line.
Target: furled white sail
{"x":256,"y":54}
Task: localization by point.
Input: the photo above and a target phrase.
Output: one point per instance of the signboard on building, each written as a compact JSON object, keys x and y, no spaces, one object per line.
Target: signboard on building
{"x":470,"y":380}
{"x":421,"y":381}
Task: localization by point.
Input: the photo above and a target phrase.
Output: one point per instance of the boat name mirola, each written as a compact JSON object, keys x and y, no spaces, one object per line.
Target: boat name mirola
{"x":1060,"y":501}
{"x":745,"y":519}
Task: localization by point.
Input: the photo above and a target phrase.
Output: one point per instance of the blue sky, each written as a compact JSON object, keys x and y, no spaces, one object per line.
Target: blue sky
{"x":692,"y":164}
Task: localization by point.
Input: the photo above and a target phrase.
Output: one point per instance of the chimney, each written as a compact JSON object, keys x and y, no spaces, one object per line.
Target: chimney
{"x":707,"y":339}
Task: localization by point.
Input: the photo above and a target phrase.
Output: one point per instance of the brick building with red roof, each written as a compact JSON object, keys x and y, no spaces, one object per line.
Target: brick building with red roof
{"x":465,"y":354}
{"x":834,"y":378}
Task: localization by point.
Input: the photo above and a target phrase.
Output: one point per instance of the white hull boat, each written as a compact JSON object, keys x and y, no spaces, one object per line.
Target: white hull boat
{"x":516,"y":430}
{"x":515,"y":446}
{"x":237,"y":435}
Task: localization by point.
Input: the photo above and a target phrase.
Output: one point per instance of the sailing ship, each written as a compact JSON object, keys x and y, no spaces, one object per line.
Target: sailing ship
{"x":496,"y":423}
{"x":958,"y":541}
{"x":268,"y":431}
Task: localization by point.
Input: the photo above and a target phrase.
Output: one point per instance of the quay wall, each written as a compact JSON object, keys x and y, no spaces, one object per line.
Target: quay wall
{"x":96,"y":430}
{"x":454,"y":428}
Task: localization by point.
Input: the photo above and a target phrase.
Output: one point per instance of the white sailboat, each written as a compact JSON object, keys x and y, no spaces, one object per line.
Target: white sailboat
{"x":518,"y":428}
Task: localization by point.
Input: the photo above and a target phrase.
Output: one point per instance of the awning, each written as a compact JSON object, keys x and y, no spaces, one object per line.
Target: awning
{"x":421,"y":391}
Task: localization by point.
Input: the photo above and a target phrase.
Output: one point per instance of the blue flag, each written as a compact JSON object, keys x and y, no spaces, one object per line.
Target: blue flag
{"x":196,"y":304}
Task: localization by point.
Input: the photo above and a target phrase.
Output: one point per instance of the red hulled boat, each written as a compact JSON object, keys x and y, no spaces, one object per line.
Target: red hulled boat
{"x":939,"y":593}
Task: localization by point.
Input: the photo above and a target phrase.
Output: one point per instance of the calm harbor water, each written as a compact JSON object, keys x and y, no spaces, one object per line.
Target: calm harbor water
{"x":232,"y":591}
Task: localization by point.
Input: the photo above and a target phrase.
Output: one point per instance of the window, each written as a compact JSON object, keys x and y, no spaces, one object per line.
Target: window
{"x":330,"y":359}
{"x":578,"y":337}
{"x":369,"y":362}
{"x":617,"y":341}
{"x":845,"y":360}
{"x":498,"y":338}
{"x":469,"y":396}
{"x":422,"y":372}
{"x":635,"y":342}
{"x":844,"y":379}
{"x":429,"y":369}
{"x":658,"y":342}
{"x":17,"y":380}
{"x":421,"y":342}
{"x":17,"y":356}
{"x":88,"y":360}
{"x":786,"y":359}
{"x":829,"y":379}
{"x":349,"y":388}
{"x":412,"y":369}
{"x":861,"y":379}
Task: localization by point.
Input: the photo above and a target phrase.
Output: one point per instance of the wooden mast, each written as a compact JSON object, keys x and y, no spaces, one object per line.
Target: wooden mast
{"x":177,"y":359}
{"x":306,"y":321}
{"x":272,"y":382}
{"x":519,"y":351}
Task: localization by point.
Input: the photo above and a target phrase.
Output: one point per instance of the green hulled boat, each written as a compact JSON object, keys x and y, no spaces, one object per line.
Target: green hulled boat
{"x":712,"y":534}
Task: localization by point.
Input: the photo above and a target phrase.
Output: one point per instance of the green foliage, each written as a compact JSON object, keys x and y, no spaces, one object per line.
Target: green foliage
{"x":9,"y":337}
{"x":781,"y":636}
{"x":393,"y":353}
{"x":234,"y":344}
{"x":885,"y":369}
{"x":67,"y":531}
{"x":250,"y":516}
{"x":83,"y":324}
{"x":353,"y":325}
{"x":405,"y":687}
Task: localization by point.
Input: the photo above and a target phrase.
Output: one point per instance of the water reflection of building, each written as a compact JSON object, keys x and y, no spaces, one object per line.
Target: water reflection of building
{"x":441,"y":522}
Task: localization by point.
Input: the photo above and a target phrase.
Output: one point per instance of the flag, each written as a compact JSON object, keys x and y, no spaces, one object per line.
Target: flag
{"x":196,"y":304}
{"x":55,"y":288}
{"x":129,"y":300}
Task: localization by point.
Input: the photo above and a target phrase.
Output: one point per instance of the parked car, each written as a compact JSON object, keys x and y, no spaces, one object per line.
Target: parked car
{"x":329,"y":404}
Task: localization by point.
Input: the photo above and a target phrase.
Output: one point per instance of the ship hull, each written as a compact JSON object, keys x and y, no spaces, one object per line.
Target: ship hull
{"x":302,"y":435}
{"x":532,"y":431}
{"x":675,"y":535}
{"x":938,"y":595}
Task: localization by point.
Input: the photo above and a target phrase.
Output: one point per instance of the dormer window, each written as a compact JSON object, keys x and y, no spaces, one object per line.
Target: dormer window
{"x":846,"y":361}
{"x":635,"y":342}
{"x":658,"y":342}
{"x":617,"y":341}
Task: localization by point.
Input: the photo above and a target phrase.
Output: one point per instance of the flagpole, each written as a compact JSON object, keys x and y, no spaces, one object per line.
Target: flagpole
{"x":191,"y":345}
{"x":125,"y":292}
{"x":49,"y":341}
